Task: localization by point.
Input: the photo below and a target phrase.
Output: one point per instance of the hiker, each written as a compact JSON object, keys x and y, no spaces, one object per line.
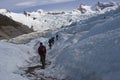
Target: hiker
{"x":56,"y":37}
{"x":42,"y":53}
{"x":104,"y":17}
{"x":52,"y":40}
{"x":50,"y":43}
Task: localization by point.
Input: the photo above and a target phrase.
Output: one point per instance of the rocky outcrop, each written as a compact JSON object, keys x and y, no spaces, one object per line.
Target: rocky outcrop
{"x":10,"y":29}
{"x":84,"y":8}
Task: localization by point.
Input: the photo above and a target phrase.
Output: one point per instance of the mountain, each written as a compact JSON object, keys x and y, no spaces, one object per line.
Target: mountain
{"x":100,"y":5}
{"x":41,"y":20}
{"x":10,"y":28}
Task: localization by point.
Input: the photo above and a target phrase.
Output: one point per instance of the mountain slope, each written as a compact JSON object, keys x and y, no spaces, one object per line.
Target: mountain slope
{"x":10,"y":28}
{"x":87,"y":53}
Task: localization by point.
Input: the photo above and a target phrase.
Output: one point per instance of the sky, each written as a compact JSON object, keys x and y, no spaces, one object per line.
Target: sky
{"x":49,"y":5}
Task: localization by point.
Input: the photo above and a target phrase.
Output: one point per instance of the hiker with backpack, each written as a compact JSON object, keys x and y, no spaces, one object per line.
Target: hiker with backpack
{"x":42,"y":53}
{"x":51,"y":42}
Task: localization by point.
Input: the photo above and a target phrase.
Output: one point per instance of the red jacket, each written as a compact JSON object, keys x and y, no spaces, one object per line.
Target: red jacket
{"x":42,"y":50}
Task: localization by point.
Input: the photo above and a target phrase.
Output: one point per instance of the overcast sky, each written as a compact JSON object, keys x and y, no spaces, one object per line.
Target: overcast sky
{"x":21,"y":5}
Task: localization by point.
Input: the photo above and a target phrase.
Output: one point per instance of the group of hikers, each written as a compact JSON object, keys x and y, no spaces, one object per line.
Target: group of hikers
{"x":51,"y":41}
{"x":42,"y":50}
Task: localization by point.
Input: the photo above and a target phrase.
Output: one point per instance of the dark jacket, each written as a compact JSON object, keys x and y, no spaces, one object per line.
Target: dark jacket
{"x":42,"y":50}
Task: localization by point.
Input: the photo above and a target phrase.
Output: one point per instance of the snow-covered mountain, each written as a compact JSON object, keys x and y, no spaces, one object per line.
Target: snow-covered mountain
{"x":87,"y":49}
{"x":101,"y":6}
{"x":41,"y":20}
